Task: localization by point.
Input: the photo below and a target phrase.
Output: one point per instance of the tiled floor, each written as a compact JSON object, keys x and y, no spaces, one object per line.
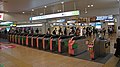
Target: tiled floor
{"x":21,"y":56}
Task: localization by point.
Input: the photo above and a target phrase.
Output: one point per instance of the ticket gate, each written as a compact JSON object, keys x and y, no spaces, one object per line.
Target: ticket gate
{"x":30,"y":40}
{"x":54,"y":43}
{"x":40,"y":41}
{"x":46,"y":42}
{"x":101,"y":48}
{"x":63,"y":44}
{"x":21,"y":39}
{"x":24,"y":39}
{"x":77,"y":45}
{"x":34,"y":39}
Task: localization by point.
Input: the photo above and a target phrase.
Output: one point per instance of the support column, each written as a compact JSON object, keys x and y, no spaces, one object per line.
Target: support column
{"x":118,"y":22}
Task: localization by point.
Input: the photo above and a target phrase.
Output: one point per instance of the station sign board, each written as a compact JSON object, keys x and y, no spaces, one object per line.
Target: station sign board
{"x":57,"y":15}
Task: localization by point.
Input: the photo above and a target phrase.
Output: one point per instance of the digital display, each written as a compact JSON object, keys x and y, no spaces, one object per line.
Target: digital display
{"x":106,"y":18}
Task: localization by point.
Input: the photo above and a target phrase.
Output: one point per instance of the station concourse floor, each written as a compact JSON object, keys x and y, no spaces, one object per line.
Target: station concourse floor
{"x":22,"y":56}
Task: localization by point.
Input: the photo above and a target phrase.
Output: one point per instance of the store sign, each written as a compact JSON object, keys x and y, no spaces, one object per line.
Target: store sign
{"x":107,"y":18}
{"x":63,"y":14}
{"x":1,"y":16}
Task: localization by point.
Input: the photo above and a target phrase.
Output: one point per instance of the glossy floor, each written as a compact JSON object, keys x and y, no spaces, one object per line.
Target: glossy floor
{"x":21,"y":56}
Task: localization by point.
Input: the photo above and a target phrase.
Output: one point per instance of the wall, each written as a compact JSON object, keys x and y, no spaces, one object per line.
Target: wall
{"x":16,"y":17}
{"x":100,"y":12}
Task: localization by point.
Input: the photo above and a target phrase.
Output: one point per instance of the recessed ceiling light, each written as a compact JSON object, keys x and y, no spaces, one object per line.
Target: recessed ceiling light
{"x":60,"y":10}
{"x":88,"y":5}
{"x":32,"y":9}
{"x":45,"y":6}
{"x":62,"y":2}
{"x":92,"y":5}
{"x":23,"y":12}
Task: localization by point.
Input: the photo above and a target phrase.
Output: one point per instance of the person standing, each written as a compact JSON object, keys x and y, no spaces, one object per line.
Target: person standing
{"x":104,"y":31}
{"x":48,"y":32}
{"x":65,"y":31}
{"x":37,"y":31}
{"x":54,"y":31}
{"x":117,"y":52}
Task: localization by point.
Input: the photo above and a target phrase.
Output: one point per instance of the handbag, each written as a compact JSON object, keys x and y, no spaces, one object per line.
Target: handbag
{"x":115,"y":45}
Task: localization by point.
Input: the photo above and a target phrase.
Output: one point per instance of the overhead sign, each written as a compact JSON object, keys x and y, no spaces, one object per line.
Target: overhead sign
{"x":1,"y":16}
{"x":30,"y":25}
{"x":63,"y":14}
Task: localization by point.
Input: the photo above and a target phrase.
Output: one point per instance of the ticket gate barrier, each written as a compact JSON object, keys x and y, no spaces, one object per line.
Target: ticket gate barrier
{"x":40,"y":41}
{"x":46,"y":42}
{"x":34,"y":39}
{"x":76,"y":45}
{"x":101,"y":48}
{"x":54,"y":43}
{"x":30,"y":40}
{"x":24,"y":39}
{"x":63,"y":44}
{"x":21,"y":39}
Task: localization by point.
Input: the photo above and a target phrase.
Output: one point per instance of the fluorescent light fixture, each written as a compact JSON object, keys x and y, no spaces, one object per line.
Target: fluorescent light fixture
{"x":111,"y":23}
{"x":31,"y":25}
{"x":57,"y":15}
{"x":4,"y":23}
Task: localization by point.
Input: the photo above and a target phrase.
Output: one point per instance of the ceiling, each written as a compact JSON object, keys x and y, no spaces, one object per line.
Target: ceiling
{"x":54,"y":5}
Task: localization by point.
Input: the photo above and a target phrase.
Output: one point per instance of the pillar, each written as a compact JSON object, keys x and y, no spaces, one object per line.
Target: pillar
{"x":118,"y":22}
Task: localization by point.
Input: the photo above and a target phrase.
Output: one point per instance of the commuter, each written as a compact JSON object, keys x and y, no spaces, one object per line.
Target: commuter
{"x":117,"y":52}
{"x":84,"y":32}
{"x":65,"y":31}
{"x":37,"y":31}
{"x":104,"y":31}
{"x":5,"y":31}
{"x":32,"y":31}
{"x":108,"y":31}
{"x":77,"y":33}
{"x":90,"y":32}
{"x":55,"y":31}
{"x":48,"y":31}
{"x":87,"y":31}
{"x":60,"y":31}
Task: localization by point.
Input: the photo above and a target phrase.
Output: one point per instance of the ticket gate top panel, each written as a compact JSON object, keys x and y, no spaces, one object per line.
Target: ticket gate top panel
{"x":77,"y":38}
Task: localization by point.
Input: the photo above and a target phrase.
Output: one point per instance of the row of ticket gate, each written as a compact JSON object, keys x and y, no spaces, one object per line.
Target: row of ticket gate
{"x":72,"y":45}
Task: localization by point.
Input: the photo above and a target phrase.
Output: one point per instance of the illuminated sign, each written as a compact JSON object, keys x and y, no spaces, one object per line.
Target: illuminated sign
{"x":111,"y":24}
{"x":31,"y":25}
{"x":109,"y":17}
{"x":1,"y":16}
{"x":63,"y":14}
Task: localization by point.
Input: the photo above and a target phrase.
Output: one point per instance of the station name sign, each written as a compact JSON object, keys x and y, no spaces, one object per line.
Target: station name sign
{"x":57,"y":15}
